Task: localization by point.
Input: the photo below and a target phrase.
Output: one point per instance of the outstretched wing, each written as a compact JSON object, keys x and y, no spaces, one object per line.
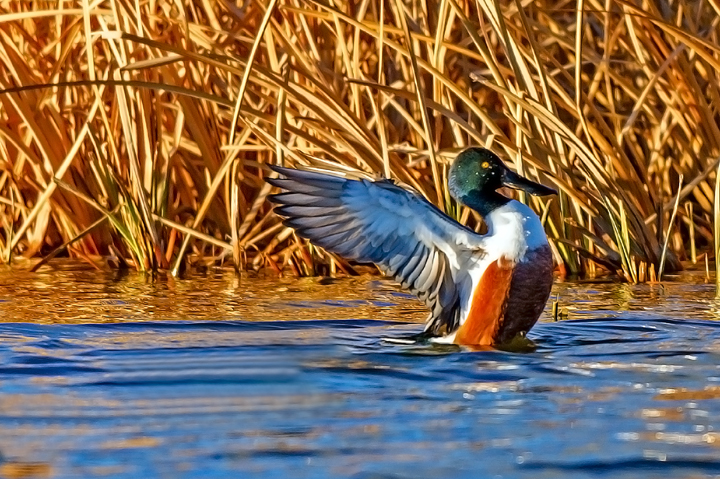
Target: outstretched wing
{"x":379,"y":222}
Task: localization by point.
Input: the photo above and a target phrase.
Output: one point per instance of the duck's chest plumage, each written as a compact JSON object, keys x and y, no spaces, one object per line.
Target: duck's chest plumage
{"x":510,"y":284}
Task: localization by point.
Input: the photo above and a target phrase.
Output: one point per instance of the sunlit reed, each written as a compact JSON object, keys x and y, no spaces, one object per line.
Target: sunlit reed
{"x":138,"y":131}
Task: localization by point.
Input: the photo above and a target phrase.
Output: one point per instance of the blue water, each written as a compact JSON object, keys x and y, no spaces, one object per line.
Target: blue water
{"x":627,"y":387}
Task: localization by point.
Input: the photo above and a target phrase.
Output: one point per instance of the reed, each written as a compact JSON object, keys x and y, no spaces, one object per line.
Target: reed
{"x":139,"y":130}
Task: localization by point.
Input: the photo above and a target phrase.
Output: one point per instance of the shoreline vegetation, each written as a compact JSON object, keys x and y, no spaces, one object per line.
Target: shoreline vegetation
{"x":138,"y":131}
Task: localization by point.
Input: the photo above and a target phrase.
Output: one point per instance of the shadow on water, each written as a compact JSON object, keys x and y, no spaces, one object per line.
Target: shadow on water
{"x":217,"y":377}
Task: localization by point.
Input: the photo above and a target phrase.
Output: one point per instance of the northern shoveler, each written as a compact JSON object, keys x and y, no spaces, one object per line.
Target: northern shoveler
{"x":481,"y":289}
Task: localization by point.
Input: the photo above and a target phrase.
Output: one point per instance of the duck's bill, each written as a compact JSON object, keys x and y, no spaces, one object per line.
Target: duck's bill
{"x":513,"y":180}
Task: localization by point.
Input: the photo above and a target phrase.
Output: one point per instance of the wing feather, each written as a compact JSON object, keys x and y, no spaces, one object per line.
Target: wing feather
{"x":301,"y":187}
{"x":410,"y":268}
{"x":294,"y":211}
{"x":321,"y":231}
{"x":427,"y":276}
{"x":310,"y":222}
{"x":301,"y":199}
{"x":380,"y":222}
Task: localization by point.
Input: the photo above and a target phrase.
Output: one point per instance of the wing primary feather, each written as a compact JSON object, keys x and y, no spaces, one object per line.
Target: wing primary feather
{"x":396,"y":262}
{"x":413,"y":267}
{"x":354,"y":249}
{"x":428,"y":272}
{"x":303,"y":199}
{"x":311,"y":221}
{"x":308,"y":189}
{"x":304,"y":211}
{"x":305,"y":175}
{"x":333,"y":241}
{"x":322,"y":231}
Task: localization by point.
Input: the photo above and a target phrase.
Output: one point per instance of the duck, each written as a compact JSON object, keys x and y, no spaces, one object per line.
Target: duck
{"x":481,"y":289}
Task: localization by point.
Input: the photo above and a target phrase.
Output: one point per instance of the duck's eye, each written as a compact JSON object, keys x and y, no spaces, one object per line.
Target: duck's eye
{"x":485,"y":164}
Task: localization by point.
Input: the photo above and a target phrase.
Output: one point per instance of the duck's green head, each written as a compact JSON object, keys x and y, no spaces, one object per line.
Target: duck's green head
{"x":477,"y":172}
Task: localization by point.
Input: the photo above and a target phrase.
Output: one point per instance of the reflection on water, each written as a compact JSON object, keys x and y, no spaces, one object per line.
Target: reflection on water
{"x":77,"y":294}
{"x":121,"y":376}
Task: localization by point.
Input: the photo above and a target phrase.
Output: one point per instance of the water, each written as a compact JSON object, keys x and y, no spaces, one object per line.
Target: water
{"x":110,"y":375}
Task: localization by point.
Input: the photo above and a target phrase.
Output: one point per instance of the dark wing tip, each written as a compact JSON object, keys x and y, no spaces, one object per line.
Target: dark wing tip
{"x":274,"y":181}
{"x":275,"y":199}
{"x":283,"y":170}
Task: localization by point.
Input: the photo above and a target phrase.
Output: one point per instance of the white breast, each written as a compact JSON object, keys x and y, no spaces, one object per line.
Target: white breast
{"x":513,"y":229}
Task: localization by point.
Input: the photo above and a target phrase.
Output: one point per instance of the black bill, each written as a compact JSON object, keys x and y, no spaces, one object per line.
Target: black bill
{"x":513,"y":180}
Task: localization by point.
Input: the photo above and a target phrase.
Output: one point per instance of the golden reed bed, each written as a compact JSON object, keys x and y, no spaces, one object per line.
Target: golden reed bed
{"x":136,"y":130}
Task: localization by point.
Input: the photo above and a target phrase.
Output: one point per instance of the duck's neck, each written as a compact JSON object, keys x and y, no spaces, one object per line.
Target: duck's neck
{"x":513,"y":225}
{"x":485,"y":203}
